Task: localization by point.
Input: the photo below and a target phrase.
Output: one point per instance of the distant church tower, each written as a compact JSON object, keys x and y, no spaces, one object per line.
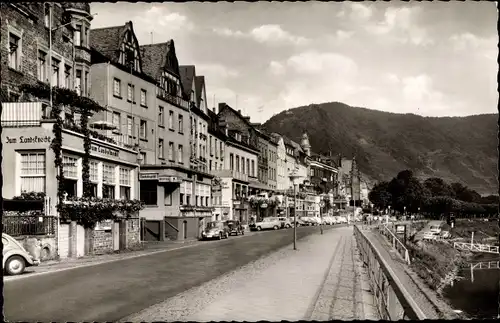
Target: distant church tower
{"x":306,"y":146}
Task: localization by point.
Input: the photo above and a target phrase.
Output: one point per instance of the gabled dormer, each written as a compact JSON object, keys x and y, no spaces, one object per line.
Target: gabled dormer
{"x":119,"y":44}
{"x":201,"y":99}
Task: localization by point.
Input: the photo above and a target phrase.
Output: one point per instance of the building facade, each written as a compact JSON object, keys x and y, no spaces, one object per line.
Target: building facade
{"x":272,"y":164}
{"x":281,"y":163}
{"x":217,"y":148}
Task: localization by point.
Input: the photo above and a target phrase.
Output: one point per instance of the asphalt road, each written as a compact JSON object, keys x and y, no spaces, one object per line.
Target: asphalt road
{"x":111,"y":291}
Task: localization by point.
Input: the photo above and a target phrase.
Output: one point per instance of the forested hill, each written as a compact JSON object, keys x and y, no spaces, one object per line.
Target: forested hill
{"x":457,"y":149}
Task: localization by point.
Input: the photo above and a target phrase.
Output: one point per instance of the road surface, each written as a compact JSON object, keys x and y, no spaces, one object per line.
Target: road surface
{"x":111,"y":291}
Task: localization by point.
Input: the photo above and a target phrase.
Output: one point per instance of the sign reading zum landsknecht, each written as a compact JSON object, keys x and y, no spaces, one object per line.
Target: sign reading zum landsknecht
{"x":28,"y":140}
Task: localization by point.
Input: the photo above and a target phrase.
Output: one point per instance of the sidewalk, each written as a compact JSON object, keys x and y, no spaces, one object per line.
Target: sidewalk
{"x":323,"y":280}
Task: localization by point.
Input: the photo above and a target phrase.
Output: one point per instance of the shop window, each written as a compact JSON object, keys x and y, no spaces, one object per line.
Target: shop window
{"x":33,"y":172}
{"x":149,"y":192}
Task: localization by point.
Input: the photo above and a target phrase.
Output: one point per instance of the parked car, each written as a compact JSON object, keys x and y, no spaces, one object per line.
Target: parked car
{"x":308,"y":220}
{"x":15,"y":257}
{"x":285,"y":222}
{"x":330,"y":220}
{"x":216,"y":230}
{"x":235,"y":227}
{"x":317,"y":220}
{"x":299,"y":222}
{"x":267,"y":223}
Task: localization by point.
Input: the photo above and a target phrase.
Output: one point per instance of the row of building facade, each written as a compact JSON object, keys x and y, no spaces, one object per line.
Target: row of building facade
{"x":155,"y":140}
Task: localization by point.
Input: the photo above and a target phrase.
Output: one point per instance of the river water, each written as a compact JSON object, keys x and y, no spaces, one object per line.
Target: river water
{"x":476,"y":293}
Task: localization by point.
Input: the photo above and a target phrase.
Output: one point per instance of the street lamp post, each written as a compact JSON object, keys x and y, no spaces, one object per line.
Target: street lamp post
{"x":387,"y":217}
{"x":293,"y":177}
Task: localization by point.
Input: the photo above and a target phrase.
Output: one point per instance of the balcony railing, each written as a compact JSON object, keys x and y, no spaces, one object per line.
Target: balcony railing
{"x":175,"y":100}
{"x":230,"y":173}
{"x":23,"y":114}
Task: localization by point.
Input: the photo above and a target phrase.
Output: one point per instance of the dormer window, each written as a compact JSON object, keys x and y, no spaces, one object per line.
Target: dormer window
{"x":129,"y":54}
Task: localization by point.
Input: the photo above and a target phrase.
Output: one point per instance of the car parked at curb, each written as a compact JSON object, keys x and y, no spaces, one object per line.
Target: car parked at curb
{"x":235,"y":227}
{"x":270,"y":223}
{"x":15,"y":257}
{"x":285,"y":222}
{"x":215,"y":230}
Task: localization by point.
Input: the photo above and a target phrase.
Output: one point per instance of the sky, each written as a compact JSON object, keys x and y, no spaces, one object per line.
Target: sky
{"x":427,"y":58}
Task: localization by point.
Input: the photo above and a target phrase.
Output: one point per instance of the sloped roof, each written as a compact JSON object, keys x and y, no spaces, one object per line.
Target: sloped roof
{"x":107,"y":40}
{"x":187,"y":74}
{"x":199,"y":83}
{"x":156,"y":57}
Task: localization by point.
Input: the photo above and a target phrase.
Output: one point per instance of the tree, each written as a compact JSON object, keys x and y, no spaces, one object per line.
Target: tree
{"x":438,"y":187}
{"x":380,"y":196}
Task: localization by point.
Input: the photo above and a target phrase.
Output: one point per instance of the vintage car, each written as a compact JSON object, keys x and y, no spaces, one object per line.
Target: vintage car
{"x":267,"y":223}
{"x":216,"y":230}
{"x":235,"y":227}
{"x":15,"y":257}
{"x":285,"y":222}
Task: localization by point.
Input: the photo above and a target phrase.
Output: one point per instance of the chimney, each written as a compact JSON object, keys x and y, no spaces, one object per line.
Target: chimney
{"x":213,"y":109}
{"x":247,"y":118}
{"x":239,"y":111}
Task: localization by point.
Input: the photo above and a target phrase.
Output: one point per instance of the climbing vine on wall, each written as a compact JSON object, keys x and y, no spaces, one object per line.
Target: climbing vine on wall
{"x":84,"y":122}
{"x":56,"y":146}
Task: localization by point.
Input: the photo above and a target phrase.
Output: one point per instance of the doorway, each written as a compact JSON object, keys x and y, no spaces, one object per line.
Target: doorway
{"x":184,"y":229}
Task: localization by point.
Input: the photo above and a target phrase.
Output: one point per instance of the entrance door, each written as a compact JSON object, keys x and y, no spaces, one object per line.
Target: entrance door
{"x":116,"y":236}
{"x":184,"y":229}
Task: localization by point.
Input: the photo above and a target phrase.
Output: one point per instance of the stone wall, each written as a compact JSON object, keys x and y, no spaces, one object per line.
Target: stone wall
{"x":102,"y":241}
{"x":133,"y":233}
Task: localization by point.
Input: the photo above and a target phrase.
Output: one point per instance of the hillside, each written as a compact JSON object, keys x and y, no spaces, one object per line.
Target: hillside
{"x":457,"y":149}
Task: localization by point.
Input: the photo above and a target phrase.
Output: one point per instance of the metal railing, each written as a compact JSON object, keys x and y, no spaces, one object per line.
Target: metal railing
{"x":392,"y":300}
{"x":34,"y":224}
{"x":396,"y":243}
{"x":476,"y":247}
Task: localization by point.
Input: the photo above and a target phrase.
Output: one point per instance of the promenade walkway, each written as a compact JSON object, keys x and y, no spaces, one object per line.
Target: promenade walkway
{"x":323,"y":280}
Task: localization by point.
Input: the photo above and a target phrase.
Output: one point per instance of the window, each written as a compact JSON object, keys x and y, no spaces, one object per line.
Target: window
{"x":85,"y":41}
{"x":243,"y":165}
{"x":221,"y":151}
{"x":93,"y":171}
{"x":78,"y":82}
{"x":14,"y":51}
{"x":70,"y":167}
{"x":130,"y":93}
{"x":160,"y":149}
{"x":210,"y":165}
{"x":130,"y":122}
{"x":231,"y":161}
{"x":248,"y":166}
{"x":117,"y":87}
{"x":161,"y":116}
{"x":181,"y":124}
{"x":168,"y":197}
{"x":143,"y":98}
{"x":116,"y":120}
{"x":216,"y":149}
{"x":33,"y":172}
{"x":124,"y":183}
{"x":108,"y":180}
{"x":108,"y":173}
{"x":86,"y":85}
{"x":42,"y":66}
{"x":253,"y":168}
{"x":171,"y":120}
{"x":67,"y":76}
{"x":171,"y":151}
{"x":237,"y":163}
{"x":77,"y":35}
{"x":55,"y":72}
{"x":143,"y":158}
{"x":179,"y":154}
{"x":142,"y":133}
{"x":149,"y":192}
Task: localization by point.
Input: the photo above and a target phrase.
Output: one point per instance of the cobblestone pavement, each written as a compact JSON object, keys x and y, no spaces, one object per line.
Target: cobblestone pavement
{"x":321,"y":280}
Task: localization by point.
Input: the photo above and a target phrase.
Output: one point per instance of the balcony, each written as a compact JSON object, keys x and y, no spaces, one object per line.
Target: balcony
{"x":230,"y":174}
{"x":175,"y":100}
{"x":203,"y":136}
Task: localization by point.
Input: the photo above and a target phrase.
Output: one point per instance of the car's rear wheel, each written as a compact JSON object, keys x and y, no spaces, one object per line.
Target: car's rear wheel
{"x":15,"y":265}
{"x":275,"y":227}
{"x":220,"y":235}
{"x":288,"y":226}
{"x":259,"y":228}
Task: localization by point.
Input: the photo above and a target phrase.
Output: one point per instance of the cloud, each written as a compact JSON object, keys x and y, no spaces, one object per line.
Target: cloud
{"x":228,"y":32}
{"x":276,"y":68}
{"x":156,"y":17}
{"x":486,"y":47}
{"x":271,"y":34}
{"x":312,"y":62}
{"x":216,"y":71}
{"x":275,"y":34}
{"x":400,"y":25}
{"x":360,"y":11}
{"x":391,"y":78}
